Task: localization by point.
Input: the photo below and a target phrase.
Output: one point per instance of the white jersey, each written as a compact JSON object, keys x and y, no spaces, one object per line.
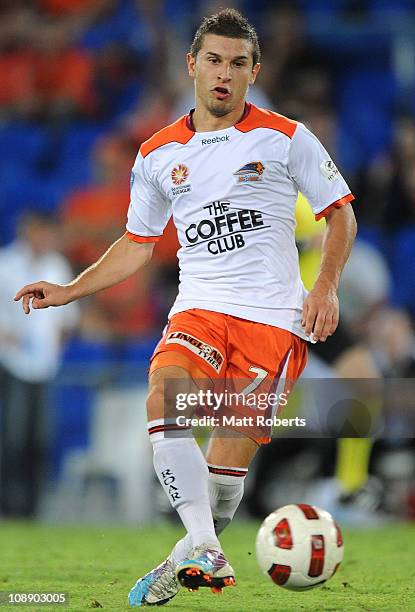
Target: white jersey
{"x":232,"y":194}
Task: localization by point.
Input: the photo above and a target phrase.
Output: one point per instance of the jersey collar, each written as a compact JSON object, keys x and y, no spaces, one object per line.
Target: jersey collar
{"x":190,"y":124}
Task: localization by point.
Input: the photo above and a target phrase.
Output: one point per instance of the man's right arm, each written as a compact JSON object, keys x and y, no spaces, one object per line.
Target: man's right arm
{"x":123,"y":258}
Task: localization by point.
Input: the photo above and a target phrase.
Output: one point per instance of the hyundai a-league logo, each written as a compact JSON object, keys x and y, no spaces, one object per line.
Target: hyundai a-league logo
{"x":179,"y":174}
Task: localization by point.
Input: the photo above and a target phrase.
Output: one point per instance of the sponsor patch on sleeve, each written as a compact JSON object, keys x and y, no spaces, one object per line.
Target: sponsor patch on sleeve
{"x":329,"y":170}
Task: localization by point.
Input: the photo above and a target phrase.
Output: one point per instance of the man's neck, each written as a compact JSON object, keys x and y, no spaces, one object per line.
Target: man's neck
{"x":204,"y":121}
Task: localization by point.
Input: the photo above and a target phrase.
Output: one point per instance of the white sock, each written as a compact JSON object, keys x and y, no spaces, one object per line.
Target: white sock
{"x":181,"y":550}
{"x":225,"y":494}
{"x":183,"y":474}
{"x":226,"y":489}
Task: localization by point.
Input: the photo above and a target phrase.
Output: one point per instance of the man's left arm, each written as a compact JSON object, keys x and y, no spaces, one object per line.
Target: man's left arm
{"x":321,"y":307}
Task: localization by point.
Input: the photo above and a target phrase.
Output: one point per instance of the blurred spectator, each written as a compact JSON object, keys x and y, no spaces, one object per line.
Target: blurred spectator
{"x":392,"y":340}
{"x":364,"y":286}
{"x":85,"y":9}
{"x":346,"y":354}
{"x":295,"y":74}
{"x":94,"y":216}
{"x":63,"y":74}
{"x":17,"y":82}
{"x":400,"y":192}
{"x":148,"y":39}
{"x":130,"y":307}
{"x":17,"y":27}
{"x":117,"y":81}
{"x":43,"y":74}
{"x":389,"y":182}
{"x":29,"y":358}
{"x":323,"y":122}
{"x":151,"y":113}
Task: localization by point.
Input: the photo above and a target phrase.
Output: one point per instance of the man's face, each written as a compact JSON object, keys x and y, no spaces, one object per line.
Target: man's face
{"x":41,"y":237}
{"x":222,"y":71}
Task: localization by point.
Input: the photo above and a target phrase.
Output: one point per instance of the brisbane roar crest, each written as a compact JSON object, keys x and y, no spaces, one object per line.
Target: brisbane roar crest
{"x":250,"y":172}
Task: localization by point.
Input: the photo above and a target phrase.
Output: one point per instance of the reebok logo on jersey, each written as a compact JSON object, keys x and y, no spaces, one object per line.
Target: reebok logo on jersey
{"x":211,"y":355}
{"x":329,"y":171}
{"x":208,"y":141}
{"x":250,"y":172}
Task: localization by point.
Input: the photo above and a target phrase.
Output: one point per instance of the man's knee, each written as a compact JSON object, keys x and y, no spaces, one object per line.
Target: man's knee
{"x":155,"y":403}
{"x":166,"y":385}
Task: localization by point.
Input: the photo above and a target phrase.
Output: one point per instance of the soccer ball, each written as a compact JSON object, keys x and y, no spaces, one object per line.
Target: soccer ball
{"x":299,"y":546}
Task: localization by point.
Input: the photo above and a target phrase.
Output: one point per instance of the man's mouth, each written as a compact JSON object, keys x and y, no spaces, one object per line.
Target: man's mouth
{"x":221,"y":93}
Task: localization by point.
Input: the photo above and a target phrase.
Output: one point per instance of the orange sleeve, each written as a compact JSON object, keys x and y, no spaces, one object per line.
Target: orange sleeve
{"x":141,"y":239}
{"x":336,"y":204}
{"x":175,"y":132}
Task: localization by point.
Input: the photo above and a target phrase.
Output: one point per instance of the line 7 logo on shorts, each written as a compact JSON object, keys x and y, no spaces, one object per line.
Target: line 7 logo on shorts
{"x":224,"y":227}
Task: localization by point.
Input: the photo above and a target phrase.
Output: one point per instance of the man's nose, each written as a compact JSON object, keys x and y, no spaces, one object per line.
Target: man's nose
{"x":225,"y":72}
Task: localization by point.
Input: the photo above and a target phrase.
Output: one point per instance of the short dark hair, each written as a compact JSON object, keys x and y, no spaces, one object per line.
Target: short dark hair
{"x":35,"y":216}
{"x":231,"y":24}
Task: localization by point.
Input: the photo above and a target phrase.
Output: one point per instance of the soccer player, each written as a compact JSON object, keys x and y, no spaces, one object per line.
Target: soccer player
{"x":229,"y":173}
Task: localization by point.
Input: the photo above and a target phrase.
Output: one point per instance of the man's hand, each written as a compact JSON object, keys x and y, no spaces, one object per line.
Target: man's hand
{"x":321,"y":307}
{"x":121,"y":260}
{"x":43,"y":295}
{"x":320,"y":313}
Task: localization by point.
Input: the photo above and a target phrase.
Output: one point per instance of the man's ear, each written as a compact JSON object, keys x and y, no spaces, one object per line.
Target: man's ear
{"x":191,"y":64}
{"x":254,"y":73}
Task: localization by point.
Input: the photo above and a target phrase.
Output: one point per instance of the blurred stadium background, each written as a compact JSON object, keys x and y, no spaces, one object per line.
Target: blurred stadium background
{"x":82,"y":84}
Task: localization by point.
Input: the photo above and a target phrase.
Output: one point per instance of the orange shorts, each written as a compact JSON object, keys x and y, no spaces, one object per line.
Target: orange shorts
{"x":237,"y":355}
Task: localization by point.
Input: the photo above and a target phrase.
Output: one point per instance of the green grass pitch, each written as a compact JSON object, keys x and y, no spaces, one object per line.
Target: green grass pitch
{"x":98,"y":565}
